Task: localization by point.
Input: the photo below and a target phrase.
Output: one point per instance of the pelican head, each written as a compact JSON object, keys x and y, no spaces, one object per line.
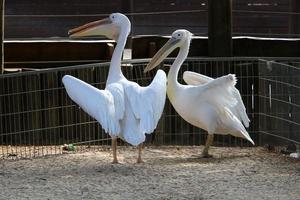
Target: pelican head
{"x":109,"y":27}
{"x":178,"y":39}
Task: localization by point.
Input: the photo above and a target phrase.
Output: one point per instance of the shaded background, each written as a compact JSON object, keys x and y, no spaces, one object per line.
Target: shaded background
{"x":43,"y":19}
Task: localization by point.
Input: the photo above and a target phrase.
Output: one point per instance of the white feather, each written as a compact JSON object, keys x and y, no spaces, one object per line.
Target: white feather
{"x":219,"y":91}
{"x":239,"y":110}
{"x":206,"y":103}
{"x":147,"y":103}
{"x":124,"y":108}
{"x":99,"y":104}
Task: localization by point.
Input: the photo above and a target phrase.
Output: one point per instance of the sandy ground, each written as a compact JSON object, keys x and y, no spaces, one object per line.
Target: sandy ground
{"x":168,"y":173}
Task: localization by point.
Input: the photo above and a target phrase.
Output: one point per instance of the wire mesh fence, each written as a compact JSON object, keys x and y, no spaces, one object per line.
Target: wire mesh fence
{"x":37,"y":116}
{"x":279,"y":98}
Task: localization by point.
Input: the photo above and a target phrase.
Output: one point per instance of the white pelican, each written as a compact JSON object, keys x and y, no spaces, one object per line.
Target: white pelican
{"x":124,"y":109}
{"x":214,"y":105}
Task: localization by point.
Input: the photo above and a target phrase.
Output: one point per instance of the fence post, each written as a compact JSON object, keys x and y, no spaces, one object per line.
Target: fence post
{"x":219,"y":28}
{"x":294,"y":19}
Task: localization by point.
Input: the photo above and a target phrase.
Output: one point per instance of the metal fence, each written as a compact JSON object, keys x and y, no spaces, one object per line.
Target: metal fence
{"x":37,"y":116}
{"x":279,"y":101}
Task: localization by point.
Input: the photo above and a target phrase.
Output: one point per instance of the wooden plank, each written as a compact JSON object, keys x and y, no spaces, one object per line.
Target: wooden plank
{"x":63,"y":53}
{"x":142,"y":46}
{"x":56,"y":7}
{"x":163,"y":5}
{"x":262,"y":5}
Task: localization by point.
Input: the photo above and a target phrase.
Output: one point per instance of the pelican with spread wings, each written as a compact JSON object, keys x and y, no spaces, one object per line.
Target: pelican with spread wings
{"x":124,"y":109}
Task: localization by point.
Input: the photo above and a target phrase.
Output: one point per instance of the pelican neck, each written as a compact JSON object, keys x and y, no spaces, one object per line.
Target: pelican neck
{"x":115,"y":72}
{"x":173,"y":73}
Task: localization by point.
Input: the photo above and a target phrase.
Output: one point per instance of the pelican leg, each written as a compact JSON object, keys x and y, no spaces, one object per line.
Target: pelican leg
{"x":209,"y":140}
{"x":139,"y":159}
{"x":114,"y":149}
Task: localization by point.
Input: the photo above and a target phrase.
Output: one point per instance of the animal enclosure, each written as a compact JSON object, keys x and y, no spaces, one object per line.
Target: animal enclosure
{"x":37,"y":116}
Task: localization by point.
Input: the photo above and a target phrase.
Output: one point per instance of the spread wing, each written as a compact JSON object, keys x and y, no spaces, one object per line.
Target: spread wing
{"x":99,"y":104}
{"x":238,"y":109}
{"x":193,"y":78}
{"x":147,"y":103}
{"x":219,"y":91}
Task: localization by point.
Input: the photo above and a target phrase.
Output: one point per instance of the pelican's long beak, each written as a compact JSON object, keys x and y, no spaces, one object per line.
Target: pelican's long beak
{"x":162,"y":54}
{"x":101,"y":27}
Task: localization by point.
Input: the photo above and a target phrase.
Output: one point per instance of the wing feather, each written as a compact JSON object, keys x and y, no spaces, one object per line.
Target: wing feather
{"x":99,"y":104}
{"x":219,"y":91}
{"x":239,"y":110}
{"x":148,"y":102}
{"x":193,"y":78}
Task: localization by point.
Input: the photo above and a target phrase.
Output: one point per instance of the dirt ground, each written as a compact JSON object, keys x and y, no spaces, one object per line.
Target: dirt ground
{"x":168,"y":173}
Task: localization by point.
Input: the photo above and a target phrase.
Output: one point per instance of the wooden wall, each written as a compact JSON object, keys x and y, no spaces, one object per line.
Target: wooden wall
{"x":51,"y":54}
{"x":19,"y":25}
{"x":24,"y":19}
{"x":249,"y":47}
